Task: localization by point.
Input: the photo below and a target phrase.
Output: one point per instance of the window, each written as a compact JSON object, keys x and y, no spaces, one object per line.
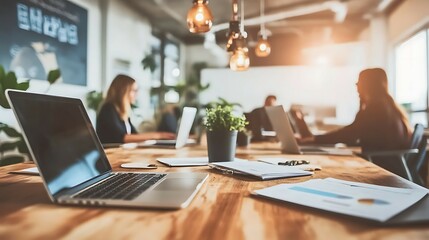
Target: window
{"x":411,"y":66}
{"x":166,"y":76}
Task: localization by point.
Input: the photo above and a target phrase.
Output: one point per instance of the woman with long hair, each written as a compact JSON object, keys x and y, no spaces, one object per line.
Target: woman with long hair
{"x":113,"y":121}
{"x":380,"y":123}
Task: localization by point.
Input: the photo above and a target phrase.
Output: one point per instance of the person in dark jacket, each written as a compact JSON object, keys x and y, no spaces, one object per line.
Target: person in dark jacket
{"x":380,"y":123}
{"x":113,"y":121}
{"x":258,"y":119}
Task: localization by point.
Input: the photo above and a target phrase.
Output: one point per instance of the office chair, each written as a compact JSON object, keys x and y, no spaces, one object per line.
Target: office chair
{"x":258,"y":121}
{"x":412,"y":160}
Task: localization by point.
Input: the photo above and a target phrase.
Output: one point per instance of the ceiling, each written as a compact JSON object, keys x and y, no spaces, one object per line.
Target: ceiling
{"x":169,"y":16}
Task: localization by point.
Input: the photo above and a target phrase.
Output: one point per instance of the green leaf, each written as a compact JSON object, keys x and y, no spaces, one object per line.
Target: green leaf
{"x":3,"y":100}
{"x":23,"y":86}
{"x":11,"y":160}
{"x":8,"y":146}
{"x":202,"y":88}
{"x":53,"y":76}
{"x":10,"y":82}
{"x":2,"y":74}
{"x":22,"y":146}
{"x":11,"y":132}
{"x":149,"y":62}
{"x":222,"y":118}
{"x":94,"y":99}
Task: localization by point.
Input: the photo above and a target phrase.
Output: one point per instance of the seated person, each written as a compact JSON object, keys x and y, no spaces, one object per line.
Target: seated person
{"x":380,"y":123}
{"x":169,"y":118}
{"x":258,"y":119}
{"x":113,"y":121}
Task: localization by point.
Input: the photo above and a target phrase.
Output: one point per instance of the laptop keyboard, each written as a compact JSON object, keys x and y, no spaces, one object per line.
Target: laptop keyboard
{"x":126,"y":186}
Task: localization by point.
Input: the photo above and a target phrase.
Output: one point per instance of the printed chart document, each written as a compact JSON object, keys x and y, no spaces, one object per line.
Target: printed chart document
{"x":260,"y":170}
{"x":368,"y":201}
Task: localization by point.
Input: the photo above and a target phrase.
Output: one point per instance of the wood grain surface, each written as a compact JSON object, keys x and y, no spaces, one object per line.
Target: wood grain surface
{"x":222,"y":209}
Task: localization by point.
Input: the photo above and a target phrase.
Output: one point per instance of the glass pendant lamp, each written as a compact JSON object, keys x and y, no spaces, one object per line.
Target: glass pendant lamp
{"x":239,"y":60}
{"x":263,"y":48}
{"x":200,"y":18}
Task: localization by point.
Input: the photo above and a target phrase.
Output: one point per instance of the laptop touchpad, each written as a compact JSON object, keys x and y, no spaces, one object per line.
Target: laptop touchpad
{"x":178,"y":184}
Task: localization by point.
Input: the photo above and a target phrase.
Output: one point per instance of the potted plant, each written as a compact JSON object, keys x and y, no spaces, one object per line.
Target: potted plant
{"x":15,"y":142}
{"x":222,"y":127}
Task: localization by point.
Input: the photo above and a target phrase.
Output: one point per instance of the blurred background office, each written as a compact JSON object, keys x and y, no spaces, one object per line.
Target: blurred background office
{"x":317,"y":47}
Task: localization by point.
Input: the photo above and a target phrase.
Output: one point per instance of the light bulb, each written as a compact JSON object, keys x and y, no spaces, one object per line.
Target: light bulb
{"x":199,"y":18}
{"x":263,"y":48}
{"x":240,"y":61}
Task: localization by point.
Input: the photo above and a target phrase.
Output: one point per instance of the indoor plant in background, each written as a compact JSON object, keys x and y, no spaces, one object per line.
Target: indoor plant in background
{"x":94,"y":99}
{"x":8,"y":154}
{"x":222,"y":127}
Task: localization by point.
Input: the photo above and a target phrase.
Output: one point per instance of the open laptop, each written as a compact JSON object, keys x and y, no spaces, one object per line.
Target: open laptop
{"x":74,"y":167}
{"x":281,"y":124}
{"x":297,"y":116}
{"x":185,"y":126}
{"x":182,"y":139}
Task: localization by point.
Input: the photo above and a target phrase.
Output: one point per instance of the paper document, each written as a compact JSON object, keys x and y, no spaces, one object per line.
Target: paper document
{"x":338,"y":151}
{"x":258,"y":169}
{"x":351,"y":198}
{"x":184,"y":162}
{"x":27,"y":171}
{"x":276,"y":161}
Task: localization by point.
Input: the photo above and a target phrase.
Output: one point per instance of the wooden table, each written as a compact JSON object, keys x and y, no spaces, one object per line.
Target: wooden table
{"x":222,"y":209}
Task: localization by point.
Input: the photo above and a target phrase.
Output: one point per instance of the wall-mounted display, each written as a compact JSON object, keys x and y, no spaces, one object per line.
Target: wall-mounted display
{"x":37,"y":36}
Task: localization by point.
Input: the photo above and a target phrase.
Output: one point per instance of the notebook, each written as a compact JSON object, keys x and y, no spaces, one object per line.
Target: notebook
{"x":74,"y":167}
{"x":259,"y":170}
{"x":283,"y":128}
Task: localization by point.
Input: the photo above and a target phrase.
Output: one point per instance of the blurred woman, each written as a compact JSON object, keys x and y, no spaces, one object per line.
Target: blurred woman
{"x":113,"y":120}
{"x":380,"y":123}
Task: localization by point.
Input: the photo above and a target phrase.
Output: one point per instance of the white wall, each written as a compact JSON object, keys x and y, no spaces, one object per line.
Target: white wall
{"x":377,"y":50}
{"x":128,"y":39}
{"x":197,"y":53}
{"x":310,"y":85}
{"x":328,"y":79}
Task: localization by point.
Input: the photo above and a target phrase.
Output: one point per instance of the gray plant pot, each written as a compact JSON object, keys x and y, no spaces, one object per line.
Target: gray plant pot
{"x":221,"y":145}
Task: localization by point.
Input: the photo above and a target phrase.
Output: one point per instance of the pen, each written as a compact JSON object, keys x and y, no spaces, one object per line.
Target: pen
{"x":293,"y":162}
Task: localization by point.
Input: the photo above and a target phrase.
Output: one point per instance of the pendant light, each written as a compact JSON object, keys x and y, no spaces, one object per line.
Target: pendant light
{"x":200,"y":18}
{"x":263,"y":48}
{"x":239,"y":60}
{"x":234,"y":28}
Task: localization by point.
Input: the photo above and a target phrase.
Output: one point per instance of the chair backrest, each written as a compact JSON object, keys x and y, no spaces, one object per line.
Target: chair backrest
{"x":258,"y":120}
{"x":418,"y":141}
{"x":418,"y":134}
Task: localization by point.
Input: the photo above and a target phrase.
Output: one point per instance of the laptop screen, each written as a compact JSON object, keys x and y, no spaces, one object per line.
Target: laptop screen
{"x":61,"y":137}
